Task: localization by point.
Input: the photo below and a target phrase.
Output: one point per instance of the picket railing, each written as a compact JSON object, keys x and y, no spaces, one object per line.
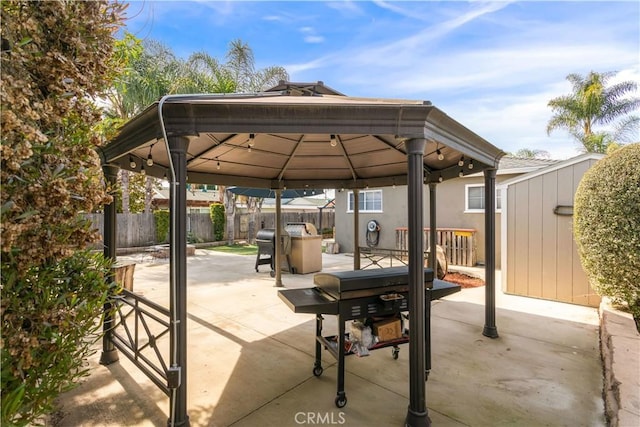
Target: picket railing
{"x":459,"y":244}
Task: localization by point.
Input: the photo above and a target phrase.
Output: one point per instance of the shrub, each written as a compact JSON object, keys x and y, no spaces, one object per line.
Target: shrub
{"x":56,"y":57}
{"x":607,"y":226}
{"x":49,"y":323}
{"x":161,"y":221}
{"x":216,"y":212}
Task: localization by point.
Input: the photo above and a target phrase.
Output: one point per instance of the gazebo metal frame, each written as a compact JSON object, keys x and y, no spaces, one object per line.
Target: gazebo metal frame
{"x":301,"y":136}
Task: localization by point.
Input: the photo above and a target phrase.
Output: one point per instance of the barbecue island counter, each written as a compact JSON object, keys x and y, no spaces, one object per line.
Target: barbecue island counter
{"x":370,"y":295}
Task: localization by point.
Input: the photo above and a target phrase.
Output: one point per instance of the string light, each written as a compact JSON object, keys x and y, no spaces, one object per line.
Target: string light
{"x":461,"y":161}
{"x":471,"y":164}
{"x":132,"y":163}
{"x":334,"y":141}
{"x":252,"y":138}
{"x":149,"y":158}
{"x":440,"y":155}
{"x":218,"y":165}
{"x":142,"y":171}
{"x":440,"y":178}
{"x":461,"y":173}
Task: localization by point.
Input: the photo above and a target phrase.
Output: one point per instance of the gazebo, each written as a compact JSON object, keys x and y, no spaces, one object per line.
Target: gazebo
{"x":300,"y":136}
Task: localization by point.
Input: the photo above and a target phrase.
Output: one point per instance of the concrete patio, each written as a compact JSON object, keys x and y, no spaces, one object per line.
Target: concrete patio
{"x":251,"y":359}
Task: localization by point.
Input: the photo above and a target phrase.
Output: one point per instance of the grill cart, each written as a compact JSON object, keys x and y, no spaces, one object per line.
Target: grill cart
{"x":373,"y":296}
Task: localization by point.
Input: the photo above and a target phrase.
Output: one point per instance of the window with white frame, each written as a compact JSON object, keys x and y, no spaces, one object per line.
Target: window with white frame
{"x":368,"y":201}
{"x":474,"y":198}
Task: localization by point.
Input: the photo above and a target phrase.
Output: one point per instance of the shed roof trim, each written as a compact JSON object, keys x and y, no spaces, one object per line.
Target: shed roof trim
{"x":554,"y":167}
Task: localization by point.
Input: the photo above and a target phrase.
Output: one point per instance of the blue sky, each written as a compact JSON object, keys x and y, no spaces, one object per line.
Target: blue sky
{"x":492,"y":66}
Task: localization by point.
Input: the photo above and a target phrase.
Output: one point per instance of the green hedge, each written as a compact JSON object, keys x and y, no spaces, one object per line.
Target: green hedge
{"x":216,"y":212}
{"x":607,"y":226}
{"x":161,"y":221}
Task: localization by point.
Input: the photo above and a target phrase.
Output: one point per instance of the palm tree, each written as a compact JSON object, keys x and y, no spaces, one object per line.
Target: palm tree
{"x":153,"y":71}
{"x":530,"y":153}
{"x":202,"y":73}
{"x":593,"y":103}
{"x":241,"y":64}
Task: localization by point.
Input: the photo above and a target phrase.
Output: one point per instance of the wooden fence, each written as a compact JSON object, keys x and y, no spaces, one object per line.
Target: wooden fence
{"x":459,"y":244}
{"x":134,"y":230}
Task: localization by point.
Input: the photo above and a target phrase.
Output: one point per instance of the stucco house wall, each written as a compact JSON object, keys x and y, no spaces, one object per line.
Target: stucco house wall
{"x":450,"y":213}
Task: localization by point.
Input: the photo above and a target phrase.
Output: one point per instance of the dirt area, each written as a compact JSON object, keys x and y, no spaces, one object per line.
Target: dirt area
{"x":463,"y":280}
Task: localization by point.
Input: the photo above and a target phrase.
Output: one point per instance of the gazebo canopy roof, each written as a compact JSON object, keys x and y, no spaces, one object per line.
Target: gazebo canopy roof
{"x":298,"y":135}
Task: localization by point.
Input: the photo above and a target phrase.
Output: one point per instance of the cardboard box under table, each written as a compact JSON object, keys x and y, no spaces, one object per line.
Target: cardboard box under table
{"x":360,"y":294}
{"x":388,"y":329}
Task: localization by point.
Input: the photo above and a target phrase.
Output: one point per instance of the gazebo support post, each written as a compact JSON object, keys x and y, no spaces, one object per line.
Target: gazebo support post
{"x":278,"y":248}
{"x":417,"y":414}
{"x":177,"y":371}
{"x":490,"y":330}
{"x":356,"y":226}
{"x":109,"y":353}
{"x":432,"y":227}
{"x":433,"y":260}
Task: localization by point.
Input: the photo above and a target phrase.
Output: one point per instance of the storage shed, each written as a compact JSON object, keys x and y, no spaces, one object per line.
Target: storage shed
{"x":539,"y":256}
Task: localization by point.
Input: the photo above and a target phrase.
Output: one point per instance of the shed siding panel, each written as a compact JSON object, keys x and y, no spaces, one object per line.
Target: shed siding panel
{"x":521,"y":246}
{"x":511,"y":240}
{"x":534,"y":253}
{"x":565,"y":236}
{"x":542,"y":258}
{"x":549,"y":235}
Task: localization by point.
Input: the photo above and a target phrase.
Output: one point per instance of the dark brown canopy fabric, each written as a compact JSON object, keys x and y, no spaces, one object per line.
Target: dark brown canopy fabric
{"x":278,"y":140}
{"x":301,"y":136}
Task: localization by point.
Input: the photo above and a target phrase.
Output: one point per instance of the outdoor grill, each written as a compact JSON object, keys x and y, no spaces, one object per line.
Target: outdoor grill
{"x":266,"y":241}
{"x":306,"y":247}
{"x":371,"y":296}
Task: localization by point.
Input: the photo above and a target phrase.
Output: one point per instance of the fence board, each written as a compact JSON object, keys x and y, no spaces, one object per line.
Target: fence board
{"x":135,"y":230}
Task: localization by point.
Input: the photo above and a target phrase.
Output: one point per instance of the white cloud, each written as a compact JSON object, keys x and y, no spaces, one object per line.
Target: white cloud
{"x":314,"y":39}
{"x":345,"y":7}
